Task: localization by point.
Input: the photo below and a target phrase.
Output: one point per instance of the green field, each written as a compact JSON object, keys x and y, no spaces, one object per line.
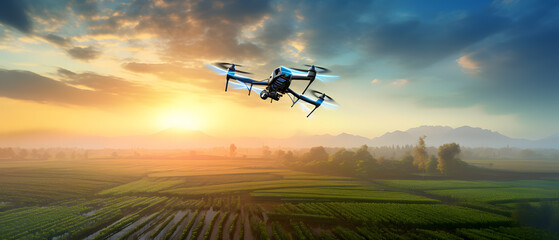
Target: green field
{"x":339,"y":194}
{"x":499,"y":195}
{"x":250,"y":186}
{"x":393,"y":214}
{"x":143,"y":185}
{"x":437,"y":184}
{"x":253,"y":199}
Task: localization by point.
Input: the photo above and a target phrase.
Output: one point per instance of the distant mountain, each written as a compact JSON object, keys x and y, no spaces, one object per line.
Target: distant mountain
{"x":433,"y":131}
{"x":181,"y":138}
{"x":465,"y":136}
{"x":549,"y":142}
{"x":394,"y":138}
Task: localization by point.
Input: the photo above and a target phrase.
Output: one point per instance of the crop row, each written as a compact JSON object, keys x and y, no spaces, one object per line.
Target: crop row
{"x":336,"y":194}
{"x":426,"y":215}
{"x":249,"y":186}
{"x":51,"y":221}
{"x":142,"y":186}
{"x":499,"y":195}
{"x":513,"y":233}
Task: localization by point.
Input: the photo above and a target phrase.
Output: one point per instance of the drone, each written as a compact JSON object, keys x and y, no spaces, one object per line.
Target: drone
{"x":278,"y":83}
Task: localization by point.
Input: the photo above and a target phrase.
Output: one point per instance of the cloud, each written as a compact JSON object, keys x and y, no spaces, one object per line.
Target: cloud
{"x":84,"y":53}
{"x":510,"y":47}
{"x":172,"y":72}
{"x":376,"y":80}
{"x":106,"y":84}
{"x":468,"y":64}
{"x":57,"y":40}
{"x":100,"y":91}
{"x":85,"y":8}
{"x":208,"y":30}
{"x":400,"y":82}
{"x":417,"y":44}
{"x":518,"y":71}
{"x":14,"y":14}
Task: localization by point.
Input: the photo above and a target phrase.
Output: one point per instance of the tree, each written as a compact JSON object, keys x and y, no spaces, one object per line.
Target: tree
{"x":60,"y":155}
{"x":407,"y":163}
{"x":366,"y":163}
{"x":232,"y":150}
{"x":279,"y":154}
{"x":431,"y":166}
{"x":45,"y":155}
{"x":266,"y":152}
{"x":343,"y":161}
{"x":363,"y":154}
{"x":289,"y":156}
{"x":420,"y":154}
{"x":315,"y":154}
{"x":23,"y":153}
{"x":449,"y":163}
{"x":35,"y":154}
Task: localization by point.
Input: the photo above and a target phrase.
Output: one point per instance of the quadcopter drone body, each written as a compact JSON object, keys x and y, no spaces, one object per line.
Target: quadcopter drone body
{"x":278,"y":83}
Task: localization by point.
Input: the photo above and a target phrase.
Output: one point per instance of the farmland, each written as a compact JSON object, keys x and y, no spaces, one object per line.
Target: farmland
{"x":499,"y":195}
{"x":253,"y":198}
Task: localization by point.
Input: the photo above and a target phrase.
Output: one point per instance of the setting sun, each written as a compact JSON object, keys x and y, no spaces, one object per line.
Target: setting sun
{"x":179,"y":119}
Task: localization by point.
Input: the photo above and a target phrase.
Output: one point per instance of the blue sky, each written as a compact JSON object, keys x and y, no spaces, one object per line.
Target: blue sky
{"x":489,"y":64}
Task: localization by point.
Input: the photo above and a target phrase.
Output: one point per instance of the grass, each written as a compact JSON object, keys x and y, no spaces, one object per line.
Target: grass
{"x":250,"y":186}
{"x":391,"y":214}
{"x":70,"y":217}
{"x":438,"y":184}
{"x":308,"y":176}
{"x":33,"y":185}
{"x":147,"y":185}
{"x":499,"y":195}
{"x":530,"y":184}
{"x":224,"y":178}
{"x":340,"y":194}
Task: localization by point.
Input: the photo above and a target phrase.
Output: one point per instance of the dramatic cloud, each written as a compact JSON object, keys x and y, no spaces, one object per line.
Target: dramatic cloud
{"x":517,"y":73}
{"x":13,"y":13}
{"x":418,"y":44}
{"x":103,"y":91}
{"x":500,"y":55}
{"x":84,"y":53}
{"x":57,"y":40}
{"x":173,"y":72}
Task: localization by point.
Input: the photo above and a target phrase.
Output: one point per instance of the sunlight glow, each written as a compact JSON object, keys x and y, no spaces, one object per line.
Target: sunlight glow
{"x":180,"y":120}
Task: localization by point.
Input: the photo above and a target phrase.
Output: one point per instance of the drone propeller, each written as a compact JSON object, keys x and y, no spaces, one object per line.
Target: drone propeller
{"x":225,"y":66}
{"x":320,"y":76}
{"x":329,"y":102}
{"x":318,"y":94}
{"x":320,"y":69}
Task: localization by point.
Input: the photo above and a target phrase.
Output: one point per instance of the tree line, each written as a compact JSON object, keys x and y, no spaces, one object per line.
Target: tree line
{"x":361,"y":163}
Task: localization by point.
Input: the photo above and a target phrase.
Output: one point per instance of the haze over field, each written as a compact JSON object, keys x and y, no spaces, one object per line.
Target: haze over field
{"x":181,"y":138}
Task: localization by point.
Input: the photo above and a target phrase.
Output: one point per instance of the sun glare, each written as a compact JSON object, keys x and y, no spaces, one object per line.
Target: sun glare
{"x":181,"y":120}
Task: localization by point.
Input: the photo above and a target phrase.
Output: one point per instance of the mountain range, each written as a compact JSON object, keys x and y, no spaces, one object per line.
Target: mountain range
{"x":178,"y":138}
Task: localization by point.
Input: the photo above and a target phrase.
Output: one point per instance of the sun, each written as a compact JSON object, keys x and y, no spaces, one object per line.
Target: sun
{"x":180,"y":120}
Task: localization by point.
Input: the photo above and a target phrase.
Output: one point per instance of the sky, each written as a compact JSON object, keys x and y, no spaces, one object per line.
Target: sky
{"x":127,"y":67}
